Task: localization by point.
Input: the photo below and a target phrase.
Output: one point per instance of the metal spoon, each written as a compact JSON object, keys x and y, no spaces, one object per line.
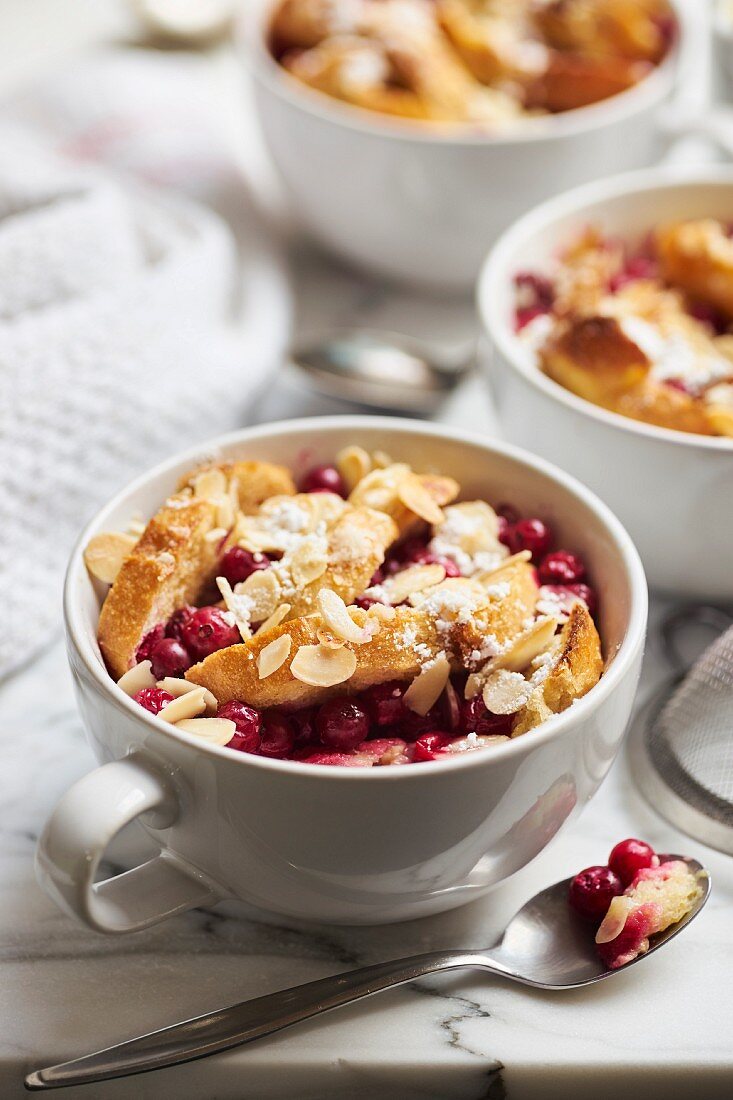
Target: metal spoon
{"x":544,"y":946}
{"x":381,"y":369}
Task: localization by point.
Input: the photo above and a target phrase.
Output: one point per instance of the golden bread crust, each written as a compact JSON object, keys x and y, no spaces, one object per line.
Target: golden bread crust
{"x":500,"y":618}
{"x":357,"y":544}
{"x":575,"y":670}
{"x":698,"y":257}
{"x":256,"y":481}
{"x":169,"y":566}
{"x":232,"y":673}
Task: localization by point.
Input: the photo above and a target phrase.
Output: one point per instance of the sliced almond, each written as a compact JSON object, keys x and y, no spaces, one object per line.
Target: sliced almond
{"x":381,"y":613}
{"x":239,"y":606}
{"x":322,"y":667}
{"x":614,"y":921}
{"x":136,"y":678}
{"x":216,"y":731}
{"x":428,"y":685}
{"x":381,"y":460}
{"x":278,"y":616}
{"x":353,"y":463}
{"x":325,"y":637}
{"x":491,"y":576}
{"x":476,"y":741}
{"x":415,"y":496}
{"x":136,"y":524}
{"x":336,"y":616}
{"x":216,"y":534}
{"x":105,"y":553}
{"x":505,"y":692}
{"x":174,"y":686}
{"x":263,"y":590}
{"x":309,"y":561}
{"x":273,"y":656}
{"x":526,"y":647}
{"x":210,"y":485}
{"x":408,"y":582}
{"x":188,"y":705}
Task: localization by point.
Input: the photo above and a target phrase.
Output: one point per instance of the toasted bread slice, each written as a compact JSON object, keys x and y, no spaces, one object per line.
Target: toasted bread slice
{"x":256,"y":481}
{"x":576,"y":80}
{"x":398,"y":492}
{"x":576,"y":668}
{"x":171,"y":563}
{"x":667,"y":407}
{"x":594,"y":358}
{"x":398,"y":652}
{"x":698,"y":257}
{"x":356,"y":545}
{"x":510,"y":604}
{"x":631,"y":29}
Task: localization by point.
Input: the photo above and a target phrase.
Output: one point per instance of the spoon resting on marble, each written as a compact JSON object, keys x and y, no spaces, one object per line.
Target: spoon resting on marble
{"x":545,"y":946}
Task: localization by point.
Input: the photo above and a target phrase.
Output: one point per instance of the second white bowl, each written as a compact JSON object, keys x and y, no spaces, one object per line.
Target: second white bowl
{"x":673,"y":491}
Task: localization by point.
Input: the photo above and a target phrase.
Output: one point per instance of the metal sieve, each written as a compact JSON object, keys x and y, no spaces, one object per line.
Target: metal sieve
{"x":681,"y":742}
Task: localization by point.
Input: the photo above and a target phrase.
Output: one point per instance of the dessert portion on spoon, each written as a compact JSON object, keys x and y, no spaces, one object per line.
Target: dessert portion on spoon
{"x":637,"y":895}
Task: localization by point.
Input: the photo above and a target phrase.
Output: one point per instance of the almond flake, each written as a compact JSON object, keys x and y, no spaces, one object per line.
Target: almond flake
{"x":216,"y":534}
{"x":353,"y":463}
{"x":505,"y":692}
{"x":105,"y":553}
{"x":476,"y":741}
{"x":240,"y":607}
{"x":322,"y":667}
{"x":490,"y":576}
{"x":381,"y":460}
{"x":174,"y":686}
{"x":309,"y":561}
{"x":263,"y":590}
{"x":136,"y":678}
{"x":614,"y":921}
{"x":427,"y":687}
{"x":533,"y":641}
{"x":325,"y":637}
{"x":210,"y":485}
{"x":408,"y":582}
{"x":418,"y":500}
{"x":336,"y":616}
{"x":136,"y":524}
{"x":188,"y":705}
{"x":381,"y":612}
{"x":273,"y":656}
{"x":215,"y":731}
{"x":278,"y":616}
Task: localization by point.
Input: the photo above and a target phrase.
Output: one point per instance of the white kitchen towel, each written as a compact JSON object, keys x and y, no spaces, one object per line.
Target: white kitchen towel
{"x":130,"y":327}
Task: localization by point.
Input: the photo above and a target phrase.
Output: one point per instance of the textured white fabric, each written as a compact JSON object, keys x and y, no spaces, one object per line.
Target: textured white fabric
{"x":121,"y":341}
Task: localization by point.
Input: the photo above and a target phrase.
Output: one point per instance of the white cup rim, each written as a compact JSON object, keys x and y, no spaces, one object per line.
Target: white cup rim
{"x":495,"y":271}
{"x":652,"y":89}
{"x":622,"y":664}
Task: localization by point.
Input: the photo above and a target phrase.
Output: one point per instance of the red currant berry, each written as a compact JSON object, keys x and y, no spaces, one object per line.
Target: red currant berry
{"x":342,"y":724}
{"x":153,"y":699}
{"x":630,"y":856}
{"x":561,"y":567}
{"x":592,"y":891}
{"x":248,"y":722}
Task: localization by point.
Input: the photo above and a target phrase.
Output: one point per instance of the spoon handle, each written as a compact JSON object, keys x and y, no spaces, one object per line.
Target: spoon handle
{"x":246,"y":1021}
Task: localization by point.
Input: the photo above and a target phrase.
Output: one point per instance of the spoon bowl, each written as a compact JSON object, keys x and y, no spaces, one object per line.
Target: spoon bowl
{"x":382,"y":370}
{"x":545,"y":945}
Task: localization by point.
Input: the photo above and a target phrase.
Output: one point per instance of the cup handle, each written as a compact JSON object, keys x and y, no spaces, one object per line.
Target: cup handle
{"x":81,"y":827}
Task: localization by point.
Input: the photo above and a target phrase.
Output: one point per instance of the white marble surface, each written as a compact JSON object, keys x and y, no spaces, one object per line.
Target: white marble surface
{"x":664,"y":1027}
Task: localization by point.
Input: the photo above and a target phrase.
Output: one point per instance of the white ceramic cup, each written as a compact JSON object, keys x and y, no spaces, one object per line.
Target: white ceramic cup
{"x":341,"y":845}
{"x":422,"y":203}
{"x":672,"y":490}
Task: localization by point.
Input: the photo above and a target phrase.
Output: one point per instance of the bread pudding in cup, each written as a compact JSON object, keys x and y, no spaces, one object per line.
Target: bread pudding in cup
{"x":608,"y":321}
{"x":487,"y":63}
{"x":409,"y":159}
{"x":333,"y":763}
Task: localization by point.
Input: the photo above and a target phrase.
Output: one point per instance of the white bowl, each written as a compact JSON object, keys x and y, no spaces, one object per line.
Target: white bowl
{"x":672,"y":490}
{"x":422,"y":203}
{"x":335,"y":844}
